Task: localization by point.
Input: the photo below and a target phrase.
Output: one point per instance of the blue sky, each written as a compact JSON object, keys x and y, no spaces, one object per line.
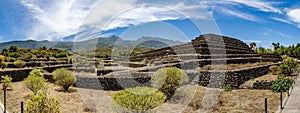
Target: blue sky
{"x":261,"y":21}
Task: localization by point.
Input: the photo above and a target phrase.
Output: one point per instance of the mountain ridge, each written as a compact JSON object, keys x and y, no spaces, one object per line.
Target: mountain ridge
{"x":90,"y":44}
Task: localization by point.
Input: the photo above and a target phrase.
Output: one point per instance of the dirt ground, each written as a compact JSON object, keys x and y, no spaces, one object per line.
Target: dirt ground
{"x":70,"y":102}
{"x":187,"y":99}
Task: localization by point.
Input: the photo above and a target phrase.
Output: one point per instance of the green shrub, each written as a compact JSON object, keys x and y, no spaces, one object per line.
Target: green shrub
{"x":37,"y":73}
{"x":70,"y":60}
{"x":42,"y":103}
{"x":36,"y":84}
{"x":19,"y":63}
{"x":167,"y":80}
{"x":3,"y":65}
{"x":227,"y":87}
{"x":62,"y":55}
{"x":288,"y":66}
{"x":137,"y":99}
{"x":274,"y":69}
{"x":36,"y":81}
{"x":2,"y":62}
{"x":14,"y":55}
{"x":198,"y":69}
{"x":282,"y":84}
{"x":2,"y":58}
{"x":145,"y":60}
{"x":64,"y":78}
{"x":6,"y":82}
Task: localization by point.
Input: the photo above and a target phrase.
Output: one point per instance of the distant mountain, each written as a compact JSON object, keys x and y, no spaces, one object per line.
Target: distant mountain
{"x":92,"y":44}
{"x":27,"y":44}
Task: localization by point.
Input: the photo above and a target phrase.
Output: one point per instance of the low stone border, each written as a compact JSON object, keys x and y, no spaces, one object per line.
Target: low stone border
{"x":20,"y":74}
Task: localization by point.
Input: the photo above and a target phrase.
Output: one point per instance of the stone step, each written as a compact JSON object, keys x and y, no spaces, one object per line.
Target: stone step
{"x":200,"y":56}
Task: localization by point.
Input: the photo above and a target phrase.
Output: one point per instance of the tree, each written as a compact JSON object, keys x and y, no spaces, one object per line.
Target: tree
{"x":261,"y":50}
{"x":5,"y":52}
{"x":276,"y":46}
{"x":13,"y":49}
{"x":253,"y":45}
{"x":6,"y":82}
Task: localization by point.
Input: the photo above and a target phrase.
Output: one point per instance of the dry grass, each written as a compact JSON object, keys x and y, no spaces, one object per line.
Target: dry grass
{"x":247,"y":101}
{"x":242,"y":100}
{"x":236,"y":101}
{"x":70,"y":101}
{"x":234,"y":66}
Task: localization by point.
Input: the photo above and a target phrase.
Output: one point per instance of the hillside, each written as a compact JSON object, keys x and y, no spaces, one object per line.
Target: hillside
{"x":92,"y":44}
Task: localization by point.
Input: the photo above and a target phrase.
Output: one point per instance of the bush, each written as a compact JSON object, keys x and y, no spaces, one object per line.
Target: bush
{"x":227,"y":87}
{"x":2,"y":62}
{"x":19,"y":63}
{"x":62,"y":55}
{"x":288,"y":66}
{"x":137,"y":99}
{"x":167,"y":80}
{"x":198,"y":68}
{"x":6,"y":82}
{"x":36,"y":84}
{"x":41,"y":103}
{"x":282,"y":84}
{"x":14,"y":55}
{"x":37,"y":73}
{"x":36,"y":81}
{"x":274,"y":69}
{"x":3,"y":65}
{"x":64,"y":78}
{"x":2,"y":58}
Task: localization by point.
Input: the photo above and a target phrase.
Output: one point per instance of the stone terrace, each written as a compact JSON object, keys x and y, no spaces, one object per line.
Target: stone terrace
{"x":208,"y":49}
{"x":208,"y":46}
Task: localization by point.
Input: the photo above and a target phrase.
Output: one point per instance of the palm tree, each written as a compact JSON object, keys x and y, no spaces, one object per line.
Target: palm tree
{"x":253,"y":45}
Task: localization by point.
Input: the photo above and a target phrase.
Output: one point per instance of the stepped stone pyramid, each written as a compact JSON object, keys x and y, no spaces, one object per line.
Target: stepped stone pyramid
{"x":208,"y":47}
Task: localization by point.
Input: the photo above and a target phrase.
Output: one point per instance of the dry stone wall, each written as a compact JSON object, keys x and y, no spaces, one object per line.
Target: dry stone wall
{"x":20,"y":74}
{"x":208,"y":44}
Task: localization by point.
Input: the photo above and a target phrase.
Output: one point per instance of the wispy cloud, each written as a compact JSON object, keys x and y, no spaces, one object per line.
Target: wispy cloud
{"x":281,"y":20}
{"x":259,"y":4}
{"x":270,"y":31}
{"x":294,"y":16}
{"x":239,"y":14}
{"x":231,"y":7}
{"x":57,"y":18}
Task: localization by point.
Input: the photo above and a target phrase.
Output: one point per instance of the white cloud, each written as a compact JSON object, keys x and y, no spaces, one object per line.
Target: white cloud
{"x":152,"y":13}
{"x":110,"y":15}
{"x":57,"y":18}
{"x":258,"y":4}
{"x":239,"y":14}
{"x":281,"y":20}
{"x":284,"y":35}
{"x":294,"y":16}
{"x":231,"y":7}
{"x":270,"y":31}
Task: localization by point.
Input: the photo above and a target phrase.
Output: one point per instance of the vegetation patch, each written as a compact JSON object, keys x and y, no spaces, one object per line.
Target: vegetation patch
{"x":282,"y":84}
{"x":138,"y":99}
{"x":167,"y":80}
{"x":64,"y":78}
